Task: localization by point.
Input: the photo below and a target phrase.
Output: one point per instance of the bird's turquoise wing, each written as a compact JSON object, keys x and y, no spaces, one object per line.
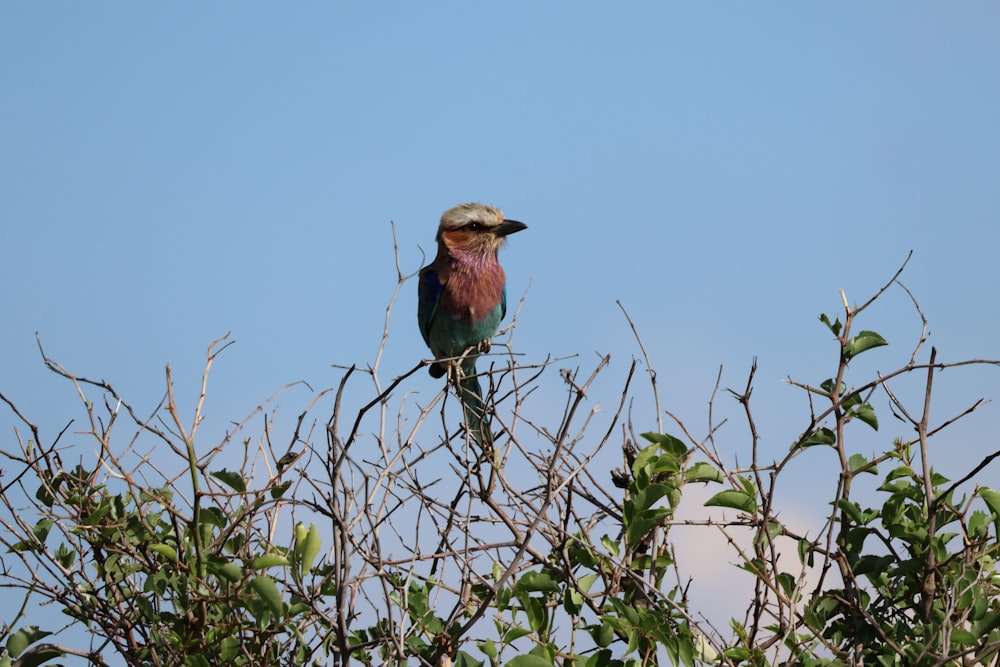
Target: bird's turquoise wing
{"x":429,"y":292}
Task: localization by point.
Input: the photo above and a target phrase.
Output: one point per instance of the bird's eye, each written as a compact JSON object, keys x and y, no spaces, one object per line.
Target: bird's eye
{"x":473,"y":226}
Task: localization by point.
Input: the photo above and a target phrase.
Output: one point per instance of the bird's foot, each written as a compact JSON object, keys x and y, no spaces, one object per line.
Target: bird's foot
{"x":455,"y":373}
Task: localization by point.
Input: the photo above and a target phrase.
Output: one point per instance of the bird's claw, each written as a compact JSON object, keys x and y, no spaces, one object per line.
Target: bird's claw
{"x":455,"y":373}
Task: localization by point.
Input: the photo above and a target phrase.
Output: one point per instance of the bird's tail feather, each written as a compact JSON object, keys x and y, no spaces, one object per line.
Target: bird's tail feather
{"x":471,"y":394}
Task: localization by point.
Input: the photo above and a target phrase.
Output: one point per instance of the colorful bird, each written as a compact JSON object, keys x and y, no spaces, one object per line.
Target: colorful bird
{"x":462,"y":297}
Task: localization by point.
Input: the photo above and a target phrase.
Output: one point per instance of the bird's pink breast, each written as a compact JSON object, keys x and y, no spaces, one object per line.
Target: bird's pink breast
{"x":473,"y":290}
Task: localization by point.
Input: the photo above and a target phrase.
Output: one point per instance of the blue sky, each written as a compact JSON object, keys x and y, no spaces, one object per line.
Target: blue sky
{"x":169,"y":173}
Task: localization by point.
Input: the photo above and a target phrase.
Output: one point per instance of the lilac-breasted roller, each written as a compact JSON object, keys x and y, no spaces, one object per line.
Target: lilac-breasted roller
{"x":462,"y":297}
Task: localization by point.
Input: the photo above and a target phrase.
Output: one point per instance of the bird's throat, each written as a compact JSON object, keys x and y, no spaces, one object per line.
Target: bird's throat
{"x":474,"y":286}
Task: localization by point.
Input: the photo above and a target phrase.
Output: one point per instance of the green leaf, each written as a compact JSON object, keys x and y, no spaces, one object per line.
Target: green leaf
{"x":40,"y":656}
{"x":643,"y":523}
{"x":741,"y":632}
{"x":992,"y":500}
{"x":827,"y":386}
{"x":213,"y":516}
{"x":535,"y":609}
{"x":737,"y":653}
{"x":44,"y":494}
{"x":572,"y":601}
{"x":735,"y":499}
{"x":582,"y":554}
{"x":299,"y":609}
{"x":602,"y":634}
{"x":854,"y":541}
{"x":686,"y":650}
{"x":852,"y":510}
{"x":164,"y":550}
{"x":645,"y":498}
{"x":278,"y":490}
{"x":536,"y":582}
{"x":41,"y":529}
{"x":587,"y":581}
{"x":774,"y":529}
{"x":874,"y":567}
{"x":226,"y":570}
{"x":528,"y":661}
{"x":267,"y":589}
{"x":233,"y":480}
{"x":670,"y":646}
{"x":865,"y":340}
{"x":849,"y":401}
{"x":821,"y":436}
{"x":20,"y":640}
{"x":610,"y":545}
{"x":463,"y":659}
{"x":649,"y":463}
{"x":65,"y":556}
{"x":668,"y":443}
{"x":702,"y":471}
{"x":17,"y":547}
{"x":897,"y":473}
{"x":489,"y":648}
{"x":805,"y":552}
{"x":267,"y":560}
{"x":977,"y":525}
{"x":307,"y":544}
{"x":963,"y":638}
{"x":754,"y":566}
{"x":787,"y":583}
{"x":866,"y":413}
{"x":748,"y":485}
{"x":989,"y":621}
{"x":601,"y":658}
{"x":514,"y":634}
{"x":859,"y":461}
{"x":833,"y":326}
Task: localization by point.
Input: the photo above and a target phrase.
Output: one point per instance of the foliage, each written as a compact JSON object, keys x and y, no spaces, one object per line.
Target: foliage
{"x":371,"y":538}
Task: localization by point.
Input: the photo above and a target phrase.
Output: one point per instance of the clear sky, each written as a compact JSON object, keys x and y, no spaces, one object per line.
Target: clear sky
{"x":171,"y":172}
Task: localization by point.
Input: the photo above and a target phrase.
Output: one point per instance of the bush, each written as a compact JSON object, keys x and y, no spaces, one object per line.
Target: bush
{"x":417,"y":548}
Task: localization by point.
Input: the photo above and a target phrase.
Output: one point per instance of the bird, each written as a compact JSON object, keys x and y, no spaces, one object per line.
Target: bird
{"x":461,"y":300}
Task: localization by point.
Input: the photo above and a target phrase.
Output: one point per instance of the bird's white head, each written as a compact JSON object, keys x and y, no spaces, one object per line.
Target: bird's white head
{"x":475,"y":228}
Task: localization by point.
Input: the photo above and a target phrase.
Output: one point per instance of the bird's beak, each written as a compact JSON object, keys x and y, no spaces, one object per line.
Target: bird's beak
{"x":509,"y":227}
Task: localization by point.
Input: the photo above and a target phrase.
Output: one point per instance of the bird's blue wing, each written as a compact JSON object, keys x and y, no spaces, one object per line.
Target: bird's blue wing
{"x":428,"y":298}
{"x":503,"y":303}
